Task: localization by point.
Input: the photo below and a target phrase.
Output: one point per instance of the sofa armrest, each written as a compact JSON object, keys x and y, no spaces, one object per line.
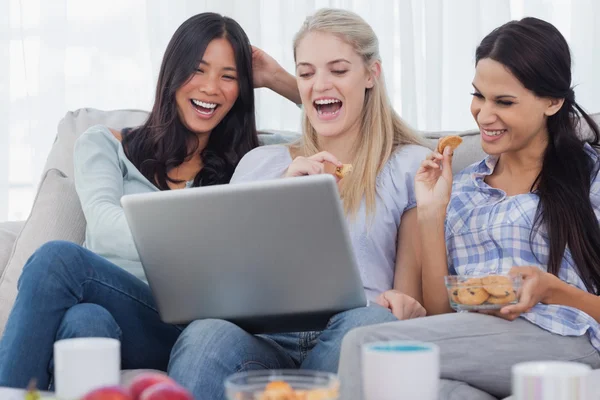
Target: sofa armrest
{"x":8,"y":234}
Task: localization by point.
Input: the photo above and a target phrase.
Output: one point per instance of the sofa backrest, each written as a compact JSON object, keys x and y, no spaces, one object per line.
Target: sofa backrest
{"x":76,"y":122}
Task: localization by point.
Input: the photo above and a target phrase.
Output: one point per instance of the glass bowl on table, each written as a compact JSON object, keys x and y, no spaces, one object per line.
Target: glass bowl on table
{"x":282,"y":385}
{"x":482,"y":292}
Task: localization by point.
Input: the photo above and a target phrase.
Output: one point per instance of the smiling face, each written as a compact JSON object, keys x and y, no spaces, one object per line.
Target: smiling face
{"x":332,"y":79}
{"x":510,"y":117}
{"x":206,"y":98}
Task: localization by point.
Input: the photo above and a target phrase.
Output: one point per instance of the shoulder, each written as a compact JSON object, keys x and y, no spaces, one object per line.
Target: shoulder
{"x":396,"y":180}
{"x":274,"y":151}
{"x":263,"y":162}
{"x":98,"y":143}
{"x":99,"y":135}
{"x":407,"y":158}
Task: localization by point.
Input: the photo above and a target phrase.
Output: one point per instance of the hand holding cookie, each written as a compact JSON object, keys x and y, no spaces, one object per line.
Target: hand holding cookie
{"x":433,"y":181}
{"x":313,"y":165}
{"x":402,"y":305}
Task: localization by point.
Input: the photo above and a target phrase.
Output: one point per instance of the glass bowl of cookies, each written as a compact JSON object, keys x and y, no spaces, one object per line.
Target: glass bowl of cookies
{"x":489,"y":292}
{"x":290,"y":384}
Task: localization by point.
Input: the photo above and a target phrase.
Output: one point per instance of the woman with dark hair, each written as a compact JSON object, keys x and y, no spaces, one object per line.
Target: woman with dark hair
{"x":530,"y":208}
{"x":202,"y":123}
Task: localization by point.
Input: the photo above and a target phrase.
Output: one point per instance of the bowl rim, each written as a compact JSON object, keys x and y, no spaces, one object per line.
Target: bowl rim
{"x":262,"y":377}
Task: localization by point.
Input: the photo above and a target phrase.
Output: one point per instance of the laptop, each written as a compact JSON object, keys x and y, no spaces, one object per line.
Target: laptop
{"x":269,"y":256}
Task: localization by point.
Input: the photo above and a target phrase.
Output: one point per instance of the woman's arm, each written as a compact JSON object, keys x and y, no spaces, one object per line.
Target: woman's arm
{"x":433,"y":185}
{"x":268,"y":73}
{"x":99,"y":184}
{"x":562,"y":293}
{"x":284,"y":84}
{"x":434,"y":260}
{"x":543,"y":287}
{"x":407,"y":275}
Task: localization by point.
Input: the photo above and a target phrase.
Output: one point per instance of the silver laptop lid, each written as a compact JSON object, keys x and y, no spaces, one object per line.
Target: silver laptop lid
{"x":271,"y":256}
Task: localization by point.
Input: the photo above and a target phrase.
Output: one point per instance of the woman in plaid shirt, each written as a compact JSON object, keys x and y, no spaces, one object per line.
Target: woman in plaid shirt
{"x":531,"y":207}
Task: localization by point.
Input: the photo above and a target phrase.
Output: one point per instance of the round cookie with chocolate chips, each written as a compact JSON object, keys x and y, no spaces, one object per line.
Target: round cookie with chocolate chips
{"x":508,"y":298}
{"x":454,"y":295}
{"x":497,"y":285}
{"x":472,"y":296}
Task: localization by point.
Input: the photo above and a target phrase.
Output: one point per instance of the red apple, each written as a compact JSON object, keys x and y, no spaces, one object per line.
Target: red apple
{"x":166,"y":391}
{"x":108,"y":393}
{"x":145,"y":380}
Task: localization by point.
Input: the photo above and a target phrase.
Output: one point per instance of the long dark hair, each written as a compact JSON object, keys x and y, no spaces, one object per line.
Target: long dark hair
{"x":538,"y":55}
{"x":161,"y":143}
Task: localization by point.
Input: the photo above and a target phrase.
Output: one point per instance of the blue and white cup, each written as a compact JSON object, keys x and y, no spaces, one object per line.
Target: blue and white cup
{"x":550,"y":380}
{"x":395,"y":370}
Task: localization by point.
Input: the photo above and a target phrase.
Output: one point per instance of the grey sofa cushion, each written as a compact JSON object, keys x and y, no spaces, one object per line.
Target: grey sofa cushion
{"x":467,"y":153}
{"x":8,"y":234}
{"x":74,"y":123}
{"x":56,"y":215}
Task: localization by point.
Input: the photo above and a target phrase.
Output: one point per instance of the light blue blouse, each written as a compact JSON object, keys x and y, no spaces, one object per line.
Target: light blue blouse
{"x":374,"y":241}
{"x":104,"y":174}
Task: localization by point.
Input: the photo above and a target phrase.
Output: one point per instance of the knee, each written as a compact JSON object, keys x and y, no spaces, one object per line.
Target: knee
{"x":362,"y":316}
{"x":88,"y":320}
{"x":209,"y":334}
{"x":357,"y":337}
{"x":48,"y":258}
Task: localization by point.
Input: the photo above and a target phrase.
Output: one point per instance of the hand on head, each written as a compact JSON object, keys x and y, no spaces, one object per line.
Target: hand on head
{"x":264,"y":68}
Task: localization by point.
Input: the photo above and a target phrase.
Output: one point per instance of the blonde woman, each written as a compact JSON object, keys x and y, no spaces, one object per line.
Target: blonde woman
{"x":347,"y":119}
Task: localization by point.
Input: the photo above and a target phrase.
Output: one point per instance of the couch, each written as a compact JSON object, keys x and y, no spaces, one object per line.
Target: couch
{"x":56,"y":213}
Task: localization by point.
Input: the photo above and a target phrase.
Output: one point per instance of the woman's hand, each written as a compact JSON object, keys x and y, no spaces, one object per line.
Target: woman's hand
{"x":402,"y":306}
{"x":313,"y":165}
{"x":536,"y":288}
{"x":433,"y":181}
{"x":264,"y":68}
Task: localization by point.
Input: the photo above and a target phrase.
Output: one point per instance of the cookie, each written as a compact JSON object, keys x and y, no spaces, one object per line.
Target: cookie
{"x":471,"y":282}
{"x":452,"y":141}
{"x":497,"y":285}
{"x":472,"y":296}
{"x":508,"y":298}
{"x":342,"y":171}
{"x":454,"y":295}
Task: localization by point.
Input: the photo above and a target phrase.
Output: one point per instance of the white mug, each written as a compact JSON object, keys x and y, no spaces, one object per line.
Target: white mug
{"x":400,"y":370}
{"x":84,"y":364}
{"x":550,"y":380}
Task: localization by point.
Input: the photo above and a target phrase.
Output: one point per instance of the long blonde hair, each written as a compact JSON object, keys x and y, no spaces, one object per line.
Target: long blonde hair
{"x":382,"y":130}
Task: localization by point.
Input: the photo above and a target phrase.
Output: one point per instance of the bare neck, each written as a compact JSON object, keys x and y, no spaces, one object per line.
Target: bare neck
{"x":516,"y":172}
{"x":342,"y":146}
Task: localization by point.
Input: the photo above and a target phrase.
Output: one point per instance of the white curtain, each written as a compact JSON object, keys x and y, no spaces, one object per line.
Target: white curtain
{"x":62,"y":55}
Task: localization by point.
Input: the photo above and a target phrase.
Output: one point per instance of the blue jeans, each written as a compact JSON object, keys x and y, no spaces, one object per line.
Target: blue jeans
{"x":67,"y":291}
{"x":210,"y":350}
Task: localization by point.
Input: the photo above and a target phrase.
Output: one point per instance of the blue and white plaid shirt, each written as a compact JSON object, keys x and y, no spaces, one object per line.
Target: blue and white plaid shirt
{"x":488,"y":232}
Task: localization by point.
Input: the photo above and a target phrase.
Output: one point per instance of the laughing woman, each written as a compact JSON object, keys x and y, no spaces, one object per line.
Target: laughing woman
{"x":202,"y":123}
{"x":348,"y":119}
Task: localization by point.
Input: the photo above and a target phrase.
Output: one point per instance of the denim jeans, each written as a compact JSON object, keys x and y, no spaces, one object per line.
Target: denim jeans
{"x":67,"y":291}
{"x":210,"y":350}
